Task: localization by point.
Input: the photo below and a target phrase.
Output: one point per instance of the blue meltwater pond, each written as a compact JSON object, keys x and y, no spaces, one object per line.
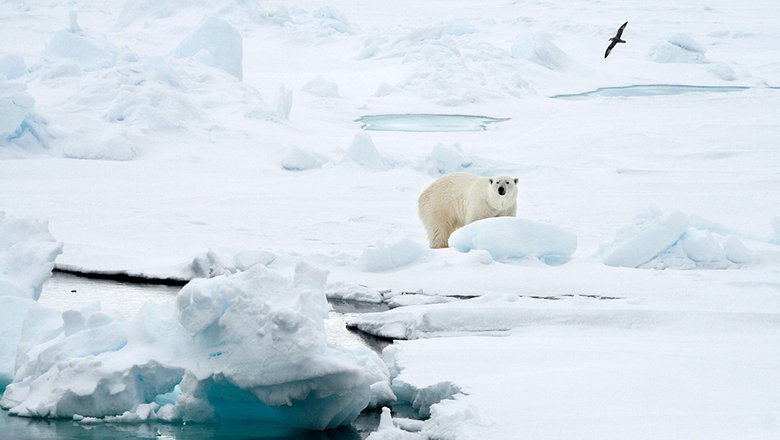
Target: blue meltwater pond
{"x":426,"y":122}
{"x":650,"y":90}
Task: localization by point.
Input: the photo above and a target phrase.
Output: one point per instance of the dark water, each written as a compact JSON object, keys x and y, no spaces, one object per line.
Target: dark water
{"x":650,"y":90}
{"x":22,"y":428}
{"x":426,"y":122}
{"x":65,"y":291}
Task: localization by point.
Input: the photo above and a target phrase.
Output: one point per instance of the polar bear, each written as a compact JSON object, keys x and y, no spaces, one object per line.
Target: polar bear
{"x":458,"y":199}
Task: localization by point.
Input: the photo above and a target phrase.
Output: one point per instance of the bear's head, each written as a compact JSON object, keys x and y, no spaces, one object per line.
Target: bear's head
{"x":502,"y":192}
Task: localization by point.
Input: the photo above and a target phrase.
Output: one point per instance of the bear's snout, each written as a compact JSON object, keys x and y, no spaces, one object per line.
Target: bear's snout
{"x":501,"y":190}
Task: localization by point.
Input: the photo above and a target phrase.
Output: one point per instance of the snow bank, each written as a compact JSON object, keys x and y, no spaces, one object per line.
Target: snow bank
{"x":297,"y":159}
{"x":678,"y":48}
{"x":538,"y":48}
{"x":384,"y":256}
{"x":658,"y":242}
{"x":85,"y":51}
{"x":27,"y":253}
{"x":12,"y":66}
{"x":508,"y":238}
{"x":224,"y":261}
{"x":363,"y":152}
{"x":321,"y":88}
{"x":446,"y":159}
{"x":19,"y":124}
{"x":215,"y":43}
{"x":245,"y":346}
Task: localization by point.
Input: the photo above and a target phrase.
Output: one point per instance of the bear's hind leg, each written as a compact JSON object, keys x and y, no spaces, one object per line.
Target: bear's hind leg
{"x":438,"y":238}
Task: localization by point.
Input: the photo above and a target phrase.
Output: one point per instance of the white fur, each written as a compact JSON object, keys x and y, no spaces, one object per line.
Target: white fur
{"x":458,"y":199}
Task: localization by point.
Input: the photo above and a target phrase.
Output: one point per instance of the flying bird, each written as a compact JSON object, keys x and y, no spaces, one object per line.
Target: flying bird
{"x":616,"y":39}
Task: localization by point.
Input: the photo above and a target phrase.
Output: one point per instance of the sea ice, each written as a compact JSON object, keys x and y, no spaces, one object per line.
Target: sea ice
{"x":27,"y":253}
{"x":297,"y":159}
{"x":12,"y":66}
{"x":245,"y":346}
{"x":387,"y":256}
{"x":672,"y":243}
{"x":322,"y":88}
{"x":363,"y":152}
{"x":538,"y":48}
{"x":215,"y":43}
{"x":509,"y":238}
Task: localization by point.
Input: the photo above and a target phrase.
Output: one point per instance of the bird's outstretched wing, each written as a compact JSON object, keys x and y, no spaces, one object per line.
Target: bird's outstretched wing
{"x":620,"y":30}
{"x":609,"y":49}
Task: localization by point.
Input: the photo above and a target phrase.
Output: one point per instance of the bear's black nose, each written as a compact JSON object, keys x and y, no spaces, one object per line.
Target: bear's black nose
{"x":501,"y":190}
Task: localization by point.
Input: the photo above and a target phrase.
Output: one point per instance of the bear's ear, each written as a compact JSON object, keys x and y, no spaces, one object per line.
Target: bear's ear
{"x":515,"y":180}
{"x":491,"y":181}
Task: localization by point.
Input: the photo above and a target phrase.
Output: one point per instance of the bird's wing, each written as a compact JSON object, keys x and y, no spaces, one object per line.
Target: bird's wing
{"x":609,"y":48}
{"x":620,"y":30}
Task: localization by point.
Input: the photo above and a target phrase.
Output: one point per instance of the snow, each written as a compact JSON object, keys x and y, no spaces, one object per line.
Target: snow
{"x":507,"y":238}
{"x":215,"y":43}
{"x":386,"y":256}
{"x":12,"y":66}
{"x":245,"y":346}
{"x":225,"y":162}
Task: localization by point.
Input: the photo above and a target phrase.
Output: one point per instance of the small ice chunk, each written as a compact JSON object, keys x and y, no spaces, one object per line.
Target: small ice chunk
{"x":216,"y":43}
{"x":363,"y":152}
{"x":384,"y":256}
{"x":736,"y":251}
{"x":700,"y":246}
{"x":296,"y":159}
{"x":657,"y":236}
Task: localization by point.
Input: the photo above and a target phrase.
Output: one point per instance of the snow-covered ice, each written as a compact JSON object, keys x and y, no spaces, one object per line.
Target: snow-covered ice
{"x":507,"y":238}
{"x":219,"y":139}
{"x":249,"y":346}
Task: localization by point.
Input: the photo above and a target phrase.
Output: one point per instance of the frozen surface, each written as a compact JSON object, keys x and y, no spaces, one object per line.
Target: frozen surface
{"x":145,"y":162}
{"x":250,"y":346}
{"x":425,"y":122}
{"x":651,"y":90}
{"x":507,"y":238}
{"x":27,"y":253}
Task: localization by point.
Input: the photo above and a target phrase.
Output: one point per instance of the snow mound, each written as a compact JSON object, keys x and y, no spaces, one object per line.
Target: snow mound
{"x":321,"y":88}
{"x":19,"y":124}
{"x":363,"y":152}
{"x":246,"y":346}
{"x":387,"y":430}
{"x":296,"y":159}
{"x":722,"y":71}
{"x":446,"y":159}
{"x":658,"y":242}
{"x":12,"y":66}
{"x":382,"y":257}
{"x":215,"y":43}
{"x":539,"y":48}
{"x":75,"y":47}
{"x":679,"y":48}
{"x":27,"y":253}
{"x":508,"y":238}
{"x":224,"y":261}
